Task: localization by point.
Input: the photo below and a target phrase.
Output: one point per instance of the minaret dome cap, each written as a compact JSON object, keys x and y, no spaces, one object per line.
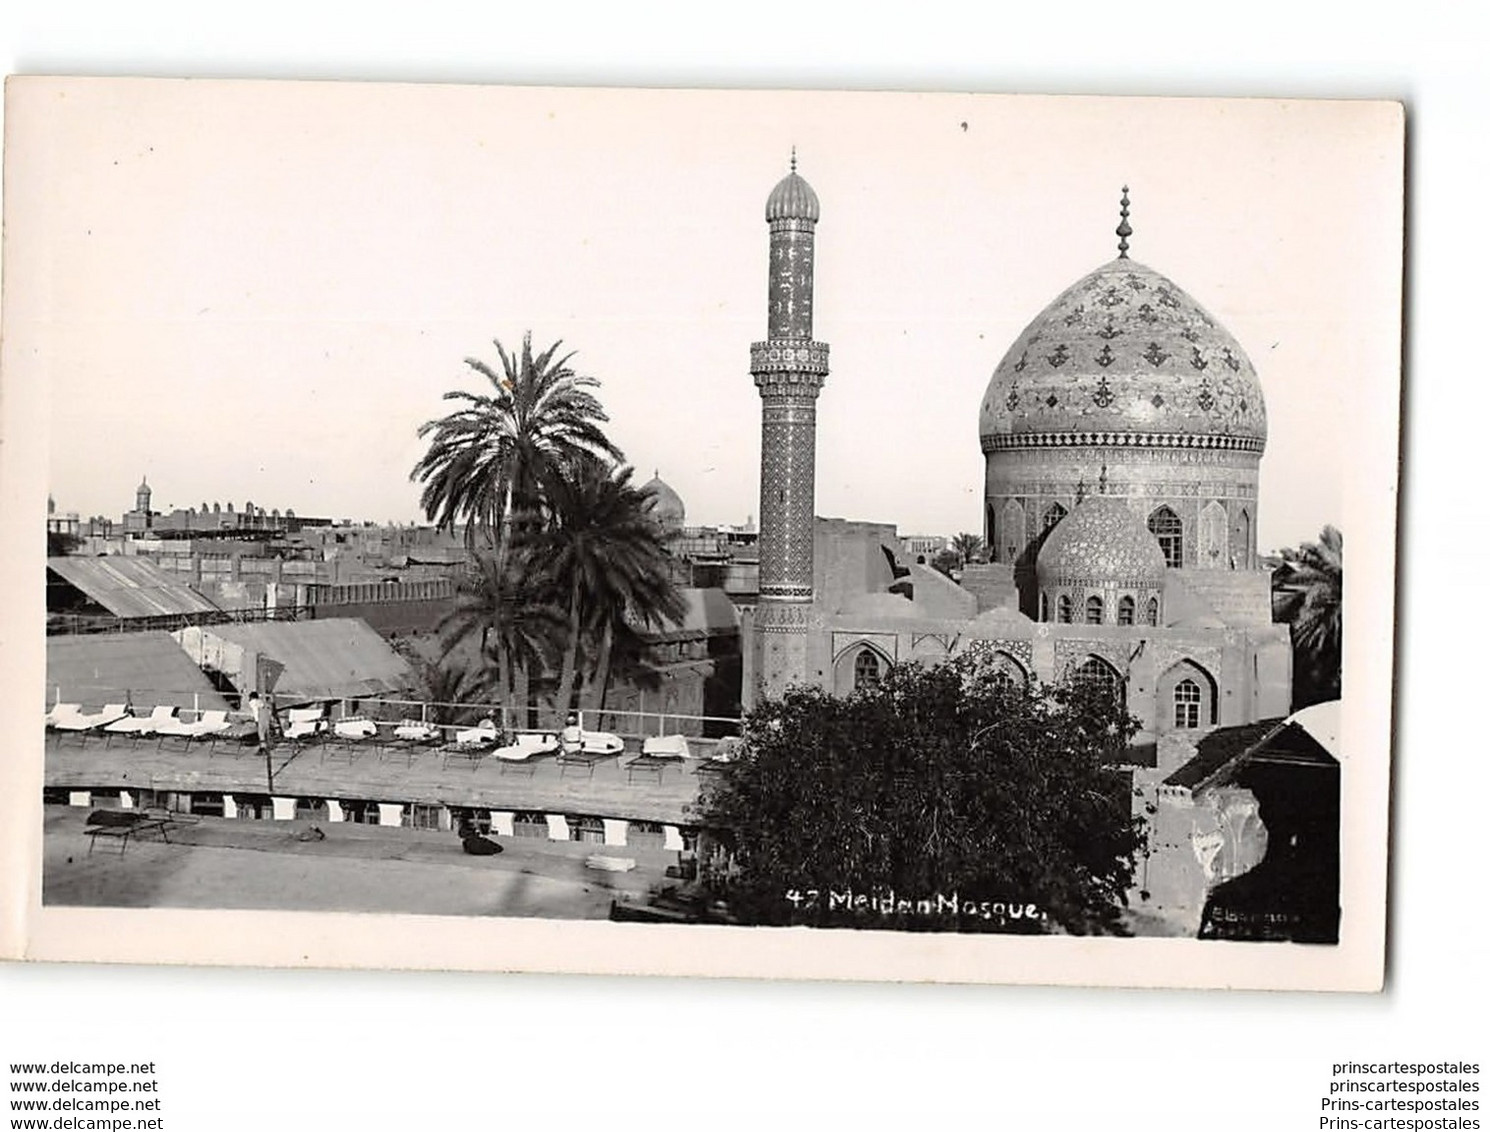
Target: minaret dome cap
{"x":792,"y":198}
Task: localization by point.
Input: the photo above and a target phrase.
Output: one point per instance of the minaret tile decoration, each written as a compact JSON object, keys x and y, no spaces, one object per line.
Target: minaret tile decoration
{"x":789,"y":369}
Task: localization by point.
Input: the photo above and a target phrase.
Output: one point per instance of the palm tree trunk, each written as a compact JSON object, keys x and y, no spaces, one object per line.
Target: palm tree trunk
{"x":502,"y":683}
{"x":571,"y":653}
{"x":601,"y":679}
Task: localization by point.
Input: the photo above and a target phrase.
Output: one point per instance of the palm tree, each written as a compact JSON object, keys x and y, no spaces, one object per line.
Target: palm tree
{"x":513,"y":611}
{"x":607,"y":556}
{"x":1307,"y":591}
{"x":487,"y":459}
{"x":968,"y":547}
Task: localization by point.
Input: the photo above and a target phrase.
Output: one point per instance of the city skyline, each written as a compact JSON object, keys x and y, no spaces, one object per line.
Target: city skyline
{"x":261,"y":296}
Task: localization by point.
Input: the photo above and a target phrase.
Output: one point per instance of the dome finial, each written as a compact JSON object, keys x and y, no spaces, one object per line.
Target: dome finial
{"x":794,"y":159}
{"x":1124,"y":229}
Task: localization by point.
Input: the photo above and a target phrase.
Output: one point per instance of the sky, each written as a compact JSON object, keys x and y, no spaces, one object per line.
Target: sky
{"x":258,"y":292}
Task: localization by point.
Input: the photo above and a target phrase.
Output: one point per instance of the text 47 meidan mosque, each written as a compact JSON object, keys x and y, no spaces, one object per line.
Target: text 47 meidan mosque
{"x":1122,"y":434}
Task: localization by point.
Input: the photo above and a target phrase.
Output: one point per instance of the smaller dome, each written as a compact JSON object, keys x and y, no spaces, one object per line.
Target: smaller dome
{"x":665,"y":505}
{"x":1102,"y":541}
{"x":792,"y":199}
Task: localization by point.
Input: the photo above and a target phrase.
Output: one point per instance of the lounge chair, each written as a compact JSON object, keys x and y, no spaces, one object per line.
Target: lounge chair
{"x":526,"y":746}
{"x":473,"y":743}
{"x":666,"y":746}
{"x":526,"y":752}
{"x":84,"y":723}
{"x":61,"y":712}
{"x":413,"y":731}
{"x":601,"y":743}
{"x":208,"y":725}
{"x":304,"y":723}
{"x":355,"y":730}
{"x":595,"y":747}
{"x":658,"y":753}
{"x":483,"y":735}
{"x":137,"y":726}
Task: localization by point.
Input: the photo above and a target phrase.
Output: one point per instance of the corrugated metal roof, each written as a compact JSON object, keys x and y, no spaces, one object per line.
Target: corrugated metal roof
{"x":143,"y":668}
{"x":130,"y":587}
{"x":1218,"y":748}
{"x":330,"y":659}
{"x":1309,"y":736}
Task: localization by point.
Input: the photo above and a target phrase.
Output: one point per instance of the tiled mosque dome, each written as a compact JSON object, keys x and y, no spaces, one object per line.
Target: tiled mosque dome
{"x":666,"y":504}
{"x":1101,"y":542}
{"x":1124,"y":356}
{"x":792,"y":199}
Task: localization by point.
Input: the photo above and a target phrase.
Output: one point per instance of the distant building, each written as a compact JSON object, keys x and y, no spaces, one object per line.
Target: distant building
{"x":925,"y":547}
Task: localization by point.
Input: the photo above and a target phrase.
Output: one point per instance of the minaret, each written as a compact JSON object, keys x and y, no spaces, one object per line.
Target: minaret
{"x":142,"y":497}
{"x":789,"y":368}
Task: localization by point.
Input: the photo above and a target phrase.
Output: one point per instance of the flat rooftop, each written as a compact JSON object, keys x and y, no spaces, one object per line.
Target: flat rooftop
{"x":363,"y":771}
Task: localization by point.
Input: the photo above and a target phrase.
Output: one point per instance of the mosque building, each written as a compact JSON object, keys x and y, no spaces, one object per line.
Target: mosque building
{"x":1122,"y":434}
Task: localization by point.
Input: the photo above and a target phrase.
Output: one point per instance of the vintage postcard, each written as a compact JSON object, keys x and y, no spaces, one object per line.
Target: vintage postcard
{"x":770,"y":534}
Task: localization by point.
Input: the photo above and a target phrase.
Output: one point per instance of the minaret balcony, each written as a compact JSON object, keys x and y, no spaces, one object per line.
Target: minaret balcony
{"x":785,"y":356}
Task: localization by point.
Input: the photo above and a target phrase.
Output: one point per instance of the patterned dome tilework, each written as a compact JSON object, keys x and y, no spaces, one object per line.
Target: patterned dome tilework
{"x":1125,"y":350}
{"x":1101,"y":540}
{"x":792,"y":199}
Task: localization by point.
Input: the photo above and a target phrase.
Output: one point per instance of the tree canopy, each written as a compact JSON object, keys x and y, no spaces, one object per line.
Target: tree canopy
{"x":1307,"y":593}
{"x":942,"y":798}
{"x":487,"y":459}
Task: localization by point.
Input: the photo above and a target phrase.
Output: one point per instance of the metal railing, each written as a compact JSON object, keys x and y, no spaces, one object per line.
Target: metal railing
{"x":389,"y":711}
{"x":66,"y":624}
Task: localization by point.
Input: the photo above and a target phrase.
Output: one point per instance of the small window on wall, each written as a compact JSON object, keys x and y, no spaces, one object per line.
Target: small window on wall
{"x":1166,"y":527}
{"x":1094,"y":610}
{"x":866,"y":670}
{"x":1187,"y":704}
{"x":1151,"y":614}
{"x":1125,"y":611}
{"x":1063,"y":609}
{"x":1053,"y":515}
{"x":1044,"y":607}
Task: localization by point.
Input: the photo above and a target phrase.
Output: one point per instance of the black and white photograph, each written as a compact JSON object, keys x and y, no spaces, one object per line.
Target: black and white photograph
{"x":814,"y":803}
{"x":856,"y":513}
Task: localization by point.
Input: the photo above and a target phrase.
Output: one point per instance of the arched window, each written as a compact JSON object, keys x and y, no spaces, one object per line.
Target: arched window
{"x":866,"y":670}
{"x":1125,"y":610}
{"x":1063,"y":609}
{"x":1187,"y":701}
{"x":1044,"y":607}
{"x":1151,"y":614}
{"x":1094,"y":610}
{"x":1244,"y":541}
{"x":1006,"y":672}
{"x":1165,"y":526}
{"x":1053,"y":515}
{"x":1095,"y":675}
